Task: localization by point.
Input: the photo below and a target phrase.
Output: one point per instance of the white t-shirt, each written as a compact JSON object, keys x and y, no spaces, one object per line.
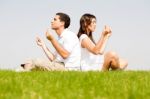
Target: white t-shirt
{"x":89,"y":61}
{"x":70,"y":42}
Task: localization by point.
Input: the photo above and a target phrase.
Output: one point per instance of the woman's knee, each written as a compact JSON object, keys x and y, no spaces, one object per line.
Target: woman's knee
{"x":111,"y":54}
{"x":123,"y":63}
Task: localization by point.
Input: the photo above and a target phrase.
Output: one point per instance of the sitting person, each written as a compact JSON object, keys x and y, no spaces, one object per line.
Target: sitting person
{"x":67,"y":55}
{"x":92,"y":54}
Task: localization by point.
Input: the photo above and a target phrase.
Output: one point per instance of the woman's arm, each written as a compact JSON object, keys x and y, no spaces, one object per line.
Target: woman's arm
{"x":99,"y":47}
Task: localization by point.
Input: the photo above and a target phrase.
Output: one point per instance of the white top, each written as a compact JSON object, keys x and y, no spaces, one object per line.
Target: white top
{"x":70,"y":42}
{"x":89,"y":61}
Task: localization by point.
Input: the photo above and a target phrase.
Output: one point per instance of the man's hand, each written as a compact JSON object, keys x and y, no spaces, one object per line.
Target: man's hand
{"x":107,"y":31}
{"x":49,"y":36}
{"x":39,"y":42}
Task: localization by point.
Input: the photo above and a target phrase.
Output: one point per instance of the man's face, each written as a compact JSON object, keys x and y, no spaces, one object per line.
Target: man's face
{"x":56,"y":23}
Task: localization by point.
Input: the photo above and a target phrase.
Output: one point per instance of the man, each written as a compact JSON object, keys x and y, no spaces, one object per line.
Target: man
{"x":67,"y":55}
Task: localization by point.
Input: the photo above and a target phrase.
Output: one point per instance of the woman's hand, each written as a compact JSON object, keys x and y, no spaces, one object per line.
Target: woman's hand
{"x":107,"y":31}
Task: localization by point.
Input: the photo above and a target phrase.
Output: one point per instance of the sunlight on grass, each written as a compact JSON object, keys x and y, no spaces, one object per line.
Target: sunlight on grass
{"x":75,"y":85}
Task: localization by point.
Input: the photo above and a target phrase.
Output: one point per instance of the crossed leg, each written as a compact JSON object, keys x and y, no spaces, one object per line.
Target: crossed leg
{"x":112,"y":60}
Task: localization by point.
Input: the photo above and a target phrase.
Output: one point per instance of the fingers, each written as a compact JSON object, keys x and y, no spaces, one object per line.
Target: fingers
{"x":46,"y":32}
{"x":107,"y":29}
{"x":49,"y":35}
{"x":38,"y":39}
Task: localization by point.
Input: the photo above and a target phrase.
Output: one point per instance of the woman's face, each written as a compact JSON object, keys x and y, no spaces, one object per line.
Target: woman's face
{"x":92,"y":26}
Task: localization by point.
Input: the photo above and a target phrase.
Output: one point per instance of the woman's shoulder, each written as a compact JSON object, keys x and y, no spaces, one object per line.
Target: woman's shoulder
{"x":83,"y":36}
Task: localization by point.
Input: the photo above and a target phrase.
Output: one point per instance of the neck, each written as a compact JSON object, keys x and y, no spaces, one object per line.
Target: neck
{"x":88,"y":32}
{"x":59,"y":31}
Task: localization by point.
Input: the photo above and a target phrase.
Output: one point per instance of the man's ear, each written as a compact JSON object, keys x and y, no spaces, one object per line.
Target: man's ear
{"x":63,"y":23}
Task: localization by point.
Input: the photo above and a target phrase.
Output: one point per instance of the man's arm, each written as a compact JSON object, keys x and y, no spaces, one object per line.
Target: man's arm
{"x":62,"y":52}
{"x":49,"y":55}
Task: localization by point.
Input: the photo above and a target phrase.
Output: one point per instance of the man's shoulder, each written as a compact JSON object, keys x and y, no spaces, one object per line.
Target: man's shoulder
{"x":69,"y":33}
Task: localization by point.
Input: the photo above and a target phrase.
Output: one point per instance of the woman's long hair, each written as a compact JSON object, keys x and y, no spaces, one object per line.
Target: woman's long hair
{"x":85,"y":21}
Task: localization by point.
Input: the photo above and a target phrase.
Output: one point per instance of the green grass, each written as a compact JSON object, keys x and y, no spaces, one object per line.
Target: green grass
{"x":75,"y":85}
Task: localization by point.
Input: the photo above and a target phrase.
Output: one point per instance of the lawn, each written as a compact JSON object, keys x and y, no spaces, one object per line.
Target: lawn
{"x":75,"y":85}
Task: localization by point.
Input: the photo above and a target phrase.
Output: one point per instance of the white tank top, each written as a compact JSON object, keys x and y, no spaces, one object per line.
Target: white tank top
{"x":90,"y":61}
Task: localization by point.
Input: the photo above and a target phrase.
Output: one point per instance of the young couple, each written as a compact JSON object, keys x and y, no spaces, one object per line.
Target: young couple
{"x":76,"y":52}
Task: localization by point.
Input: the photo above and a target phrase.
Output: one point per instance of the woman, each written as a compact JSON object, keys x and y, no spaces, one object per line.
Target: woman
{"x":92,"y":54}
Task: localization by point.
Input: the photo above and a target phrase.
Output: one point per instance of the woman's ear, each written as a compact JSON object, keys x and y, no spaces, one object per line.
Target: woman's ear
{"x":85,"y":24}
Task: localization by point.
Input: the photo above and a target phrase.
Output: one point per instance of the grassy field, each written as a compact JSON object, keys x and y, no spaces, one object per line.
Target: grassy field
{"x":75,"y":85}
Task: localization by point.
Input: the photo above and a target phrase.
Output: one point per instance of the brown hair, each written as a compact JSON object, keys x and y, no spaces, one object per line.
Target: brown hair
{"x":85,"y":21}
{"x":65,"y":18}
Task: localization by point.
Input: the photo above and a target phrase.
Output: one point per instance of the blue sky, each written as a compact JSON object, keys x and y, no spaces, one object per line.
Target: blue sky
{"x":22,"y":20}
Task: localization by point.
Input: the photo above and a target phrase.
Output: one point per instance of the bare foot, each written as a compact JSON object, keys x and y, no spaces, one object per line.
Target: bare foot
{"x":123,"y":64}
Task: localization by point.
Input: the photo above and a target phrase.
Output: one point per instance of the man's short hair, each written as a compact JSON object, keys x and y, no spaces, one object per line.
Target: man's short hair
{"x":65,"y":18}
